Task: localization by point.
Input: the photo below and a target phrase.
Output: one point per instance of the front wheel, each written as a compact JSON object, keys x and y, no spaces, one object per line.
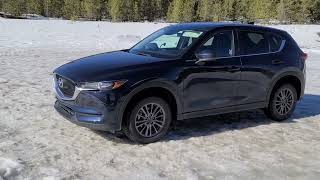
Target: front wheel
{"x":282,"y":103}
{"x":148,"y":121}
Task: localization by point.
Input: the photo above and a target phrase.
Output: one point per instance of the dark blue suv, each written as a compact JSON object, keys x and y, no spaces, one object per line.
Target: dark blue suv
{"x":183,"y":71}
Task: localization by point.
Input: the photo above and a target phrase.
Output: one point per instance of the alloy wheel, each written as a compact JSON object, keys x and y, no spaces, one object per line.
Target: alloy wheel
{"x":284,"y":101}
{"x":150,"y":120}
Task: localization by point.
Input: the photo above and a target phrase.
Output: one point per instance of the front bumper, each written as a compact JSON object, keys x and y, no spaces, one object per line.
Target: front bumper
{"x":92,"y":109}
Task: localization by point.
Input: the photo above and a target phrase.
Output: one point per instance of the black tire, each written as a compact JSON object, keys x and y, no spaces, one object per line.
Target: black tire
{"x":135,"y":121}
{"x":279,"y":109}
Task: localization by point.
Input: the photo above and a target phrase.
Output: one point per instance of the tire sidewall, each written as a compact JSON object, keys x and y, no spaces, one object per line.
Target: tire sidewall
{"x":134,"y":135}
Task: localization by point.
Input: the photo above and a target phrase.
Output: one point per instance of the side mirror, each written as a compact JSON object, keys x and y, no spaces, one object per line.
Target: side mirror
{"x":205,"y":55}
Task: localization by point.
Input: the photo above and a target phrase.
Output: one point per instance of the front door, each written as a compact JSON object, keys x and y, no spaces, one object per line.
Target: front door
{"x":212,"y":84}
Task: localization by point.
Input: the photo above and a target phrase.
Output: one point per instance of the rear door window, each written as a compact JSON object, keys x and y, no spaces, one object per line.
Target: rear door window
{"x":253,"y":43}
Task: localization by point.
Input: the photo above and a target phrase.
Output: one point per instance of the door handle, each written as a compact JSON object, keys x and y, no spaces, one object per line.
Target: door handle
{"x":192,"y":60}
{"x":233,"y":69}
{"x":277,"y":62}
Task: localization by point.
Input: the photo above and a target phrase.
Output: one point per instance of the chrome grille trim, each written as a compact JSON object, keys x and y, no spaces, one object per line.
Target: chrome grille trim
{"x":60,"y":94}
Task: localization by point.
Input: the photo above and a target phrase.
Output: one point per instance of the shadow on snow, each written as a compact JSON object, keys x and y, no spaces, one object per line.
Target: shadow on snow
{"x":308,"y":107}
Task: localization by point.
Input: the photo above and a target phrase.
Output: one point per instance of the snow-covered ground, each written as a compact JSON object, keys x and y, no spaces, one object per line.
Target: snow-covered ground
{"x":37,"y":143}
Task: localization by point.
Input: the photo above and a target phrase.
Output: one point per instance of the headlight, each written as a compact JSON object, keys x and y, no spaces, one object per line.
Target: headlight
{"x":105,"y":85}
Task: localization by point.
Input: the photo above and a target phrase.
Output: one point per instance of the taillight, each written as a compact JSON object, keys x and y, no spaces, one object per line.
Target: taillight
{"x":304,"y":56}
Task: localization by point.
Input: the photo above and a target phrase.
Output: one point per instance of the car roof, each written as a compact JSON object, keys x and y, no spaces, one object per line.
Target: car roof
{"x":208,"y":26}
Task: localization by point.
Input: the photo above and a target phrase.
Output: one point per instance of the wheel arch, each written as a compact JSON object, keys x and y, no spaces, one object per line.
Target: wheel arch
{"x":294,"y":78}
{"x":159,"y":88}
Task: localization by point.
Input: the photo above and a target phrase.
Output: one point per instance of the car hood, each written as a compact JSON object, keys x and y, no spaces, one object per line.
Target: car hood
{"x":96,"y":67}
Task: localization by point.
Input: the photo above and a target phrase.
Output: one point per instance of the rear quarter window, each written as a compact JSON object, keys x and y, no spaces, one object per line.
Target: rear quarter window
{"x":275,"y":42}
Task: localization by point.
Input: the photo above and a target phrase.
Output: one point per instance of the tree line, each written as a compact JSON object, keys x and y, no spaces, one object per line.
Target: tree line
{"x":169,"y":10}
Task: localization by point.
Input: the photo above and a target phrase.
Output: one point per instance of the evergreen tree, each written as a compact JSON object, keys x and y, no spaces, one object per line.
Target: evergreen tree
{"x":315,"y":11}
{"x":295,"y":10}
{"x":163,"y":8}
{"x":127,"y":11}
{"x":73,"y":9}
{"x":230,"y":8}
{"x":136,"y":11}
{"x":116,"y":10}
{"x":95,"y":9}
{"x":53,"y":8}
{"x":290,"y":10}
{"x":1,"y":5}
{"x":182,"y":11}
{"x":35,"y":7}
{"x":175,"y":11}
{"x":261,"y":10}
{"x":282,"y":11}
{"x":171,"y":10}
{"x":205,"y":10}
{"x":15,"y":7}
{"x":311,"y":10}
{"x":189,"y":11}
{"x":150,"y":10}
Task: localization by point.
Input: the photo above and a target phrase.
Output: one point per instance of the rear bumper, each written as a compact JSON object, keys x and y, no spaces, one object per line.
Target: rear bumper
{"x":303,"y":83}
{"x":94,"y":110}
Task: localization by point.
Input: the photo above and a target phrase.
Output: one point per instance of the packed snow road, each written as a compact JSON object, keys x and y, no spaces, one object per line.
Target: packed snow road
{"x":37,"y":143}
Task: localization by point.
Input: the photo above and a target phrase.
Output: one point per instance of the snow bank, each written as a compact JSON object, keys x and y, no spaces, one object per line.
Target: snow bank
{"x":62,"y":34}
{"x":107,"y":35}
{"x":100,"y":36}
{"x":9,"y":168}
{"x":307,"y":36}
{"x":34,"y":17}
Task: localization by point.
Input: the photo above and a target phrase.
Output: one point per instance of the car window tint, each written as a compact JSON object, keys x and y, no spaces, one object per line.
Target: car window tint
{"x":220,"y":44}
{"x":253,"y":43}
{"x":275,"y":43}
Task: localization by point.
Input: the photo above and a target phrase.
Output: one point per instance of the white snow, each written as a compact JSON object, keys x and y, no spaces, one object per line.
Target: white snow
{"x":235,"y":146}
{"x":9,"y":168}
{"x":307,"y":36}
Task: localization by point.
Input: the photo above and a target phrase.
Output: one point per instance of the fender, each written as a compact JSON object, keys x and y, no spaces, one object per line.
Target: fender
{"x":291,"y":71}
{"x":171,"y":86}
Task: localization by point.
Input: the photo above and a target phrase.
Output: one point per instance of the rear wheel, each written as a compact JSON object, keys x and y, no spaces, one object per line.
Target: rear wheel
{"x":282,"y":103}
{"x":148,"y":121}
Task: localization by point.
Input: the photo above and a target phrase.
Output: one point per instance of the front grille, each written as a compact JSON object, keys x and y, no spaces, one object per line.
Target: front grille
{"x":66,"y":86}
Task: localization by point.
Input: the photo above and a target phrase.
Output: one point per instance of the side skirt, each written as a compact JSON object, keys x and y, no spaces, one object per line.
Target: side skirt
{"x":224,"y":110}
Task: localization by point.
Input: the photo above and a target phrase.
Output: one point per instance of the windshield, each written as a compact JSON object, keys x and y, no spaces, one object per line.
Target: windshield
{"x":167,"y":43}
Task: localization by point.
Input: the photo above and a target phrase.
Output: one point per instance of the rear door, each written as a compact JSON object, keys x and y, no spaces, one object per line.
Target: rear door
{"x":261,"y":59}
